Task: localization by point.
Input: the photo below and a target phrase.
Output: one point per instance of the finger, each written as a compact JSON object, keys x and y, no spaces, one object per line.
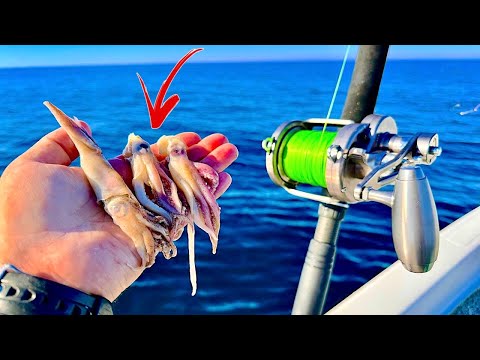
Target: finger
{"x":222,"y":157}
{"x":224,"y":182}
{"x":198,"y":151}
{"x":55,"y":148}
{"x":189,"y":138}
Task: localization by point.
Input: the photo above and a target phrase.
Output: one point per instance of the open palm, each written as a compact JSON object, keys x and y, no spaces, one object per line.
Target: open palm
{"x":51,"y":225}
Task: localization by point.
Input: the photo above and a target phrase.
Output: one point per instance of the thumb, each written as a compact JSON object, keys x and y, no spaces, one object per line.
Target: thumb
{"x":55,"y":148}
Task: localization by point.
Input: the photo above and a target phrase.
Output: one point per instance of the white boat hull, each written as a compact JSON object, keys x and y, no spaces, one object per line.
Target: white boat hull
{"x":450,"y":287}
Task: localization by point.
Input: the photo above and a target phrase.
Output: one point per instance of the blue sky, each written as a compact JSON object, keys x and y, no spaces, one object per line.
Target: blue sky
{"x":61,"y":55}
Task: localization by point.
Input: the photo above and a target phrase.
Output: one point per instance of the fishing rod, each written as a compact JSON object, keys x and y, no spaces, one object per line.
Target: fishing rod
{"x":338,"y":162}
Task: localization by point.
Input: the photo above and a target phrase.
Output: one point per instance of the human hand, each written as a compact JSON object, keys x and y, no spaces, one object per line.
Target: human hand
{"x":51,"y":225}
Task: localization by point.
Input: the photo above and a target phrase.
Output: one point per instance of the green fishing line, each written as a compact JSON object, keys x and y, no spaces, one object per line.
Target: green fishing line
{"x":304,"y":156}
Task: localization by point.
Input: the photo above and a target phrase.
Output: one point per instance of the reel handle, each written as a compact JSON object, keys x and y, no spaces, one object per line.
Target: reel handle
{"x":415,"y":226}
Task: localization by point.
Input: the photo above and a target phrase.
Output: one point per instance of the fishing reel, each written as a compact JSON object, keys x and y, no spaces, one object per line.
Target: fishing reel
{"x":347,"y":162}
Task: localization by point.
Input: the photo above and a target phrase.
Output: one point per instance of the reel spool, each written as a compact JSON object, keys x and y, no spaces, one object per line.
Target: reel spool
{"x":349,"y":162}
{"x":298,"y":155}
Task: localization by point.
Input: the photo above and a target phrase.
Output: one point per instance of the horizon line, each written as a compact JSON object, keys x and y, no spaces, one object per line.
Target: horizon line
{"x":232,"y":61}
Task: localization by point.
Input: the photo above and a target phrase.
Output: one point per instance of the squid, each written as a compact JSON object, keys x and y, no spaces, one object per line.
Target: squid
{"x":167,"y":195}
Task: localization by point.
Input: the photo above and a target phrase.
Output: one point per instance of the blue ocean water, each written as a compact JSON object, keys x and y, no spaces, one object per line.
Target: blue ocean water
{"x":265,"y":231}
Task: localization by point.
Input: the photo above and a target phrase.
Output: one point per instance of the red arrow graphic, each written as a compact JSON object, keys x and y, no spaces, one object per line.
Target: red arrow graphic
{"x":160,"y":110}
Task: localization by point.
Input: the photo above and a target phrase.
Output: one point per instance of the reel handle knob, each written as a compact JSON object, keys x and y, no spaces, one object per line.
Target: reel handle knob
{"x":415,"y":226}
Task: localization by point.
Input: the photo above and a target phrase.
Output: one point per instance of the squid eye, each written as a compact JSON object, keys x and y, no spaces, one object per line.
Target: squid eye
{"x":141,"y":146}
{"x":178,"y":151}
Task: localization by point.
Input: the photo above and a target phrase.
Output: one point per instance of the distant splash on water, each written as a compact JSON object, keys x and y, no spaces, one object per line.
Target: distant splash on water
{"x":460,"y":109}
